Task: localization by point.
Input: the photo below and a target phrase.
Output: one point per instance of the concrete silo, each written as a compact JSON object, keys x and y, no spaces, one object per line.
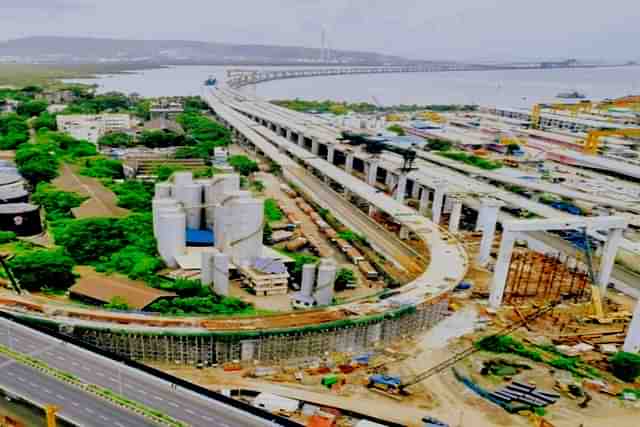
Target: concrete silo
{"x":221,"y":274}
{"x":157,"y":206}
{"x":308,"y":279}
{"x":172,"y":236}
{"x":191,"y":199}
{"x":324,"y":291}
{"x":163,"y":190}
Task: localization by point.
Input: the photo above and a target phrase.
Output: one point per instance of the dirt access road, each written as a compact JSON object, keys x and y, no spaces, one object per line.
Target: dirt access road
{"x":102,"y":202}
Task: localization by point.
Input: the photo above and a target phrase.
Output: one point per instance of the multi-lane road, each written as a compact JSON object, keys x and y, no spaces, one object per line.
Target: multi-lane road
{"x":181,"y":404}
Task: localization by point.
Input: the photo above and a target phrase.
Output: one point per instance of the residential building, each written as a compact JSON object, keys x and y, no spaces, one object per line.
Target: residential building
{"x":166,"y":110}
{"x":58,"y":96}
{"x":92,"y":126}
{"x":8,"y":106}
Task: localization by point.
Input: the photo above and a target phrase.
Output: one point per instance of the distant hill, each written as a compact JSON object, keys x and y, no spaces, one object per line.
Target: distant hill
{"x":68,"y":50}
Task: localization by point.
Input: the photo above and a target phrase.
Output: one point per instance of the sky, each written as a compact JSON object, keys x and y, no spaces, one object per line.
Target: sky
{"x":417,"y":29}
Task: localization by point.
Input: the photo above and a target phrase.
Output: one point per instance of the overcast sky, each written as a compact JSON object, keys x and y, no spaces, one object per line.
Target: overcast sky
{"x":421,"y":29}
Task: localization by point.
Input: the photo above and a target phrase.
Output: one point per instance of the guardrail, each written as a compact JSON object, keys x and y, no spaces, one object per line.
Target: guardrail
{"x":202,"y":391}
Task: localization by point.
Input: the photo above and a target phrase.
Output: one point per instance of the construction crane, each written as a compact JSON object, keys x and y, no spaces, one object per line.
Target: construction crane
{"x":14,"y":283}
{"x":535,"y":116}
{"x":50,"y":411}
{"x":396,"y":386}
{"x":632,"y":102}
{"x":592,"y":143}
{"x":432,"y":116}
{"x":573,"y":108}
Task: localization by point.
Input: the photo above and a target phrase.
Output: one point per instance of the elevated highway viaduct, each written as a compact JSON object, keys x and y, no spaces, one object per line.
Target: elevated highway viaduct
{"x":434,"y":180}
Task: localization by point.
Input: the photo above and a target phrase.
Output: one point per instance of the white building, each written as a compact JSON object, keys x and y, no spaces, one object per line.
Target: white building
{"x":92,"y":126}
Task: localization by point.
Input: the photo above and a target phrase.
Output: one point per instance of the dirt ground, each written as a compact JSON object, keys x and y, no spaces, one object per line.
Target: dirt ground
{"x":101,"y":203}
{"x":442,"y":395}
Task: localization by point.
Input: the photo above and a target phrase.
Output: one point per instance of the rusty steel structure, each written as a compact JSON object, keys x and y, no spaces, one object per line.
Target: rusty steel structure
{"x":546,"y":277}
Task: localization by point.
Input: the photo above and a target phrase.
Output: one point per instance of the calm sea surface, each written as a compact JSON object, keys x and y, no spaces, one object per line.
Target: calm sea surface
{"x":502,"y":88}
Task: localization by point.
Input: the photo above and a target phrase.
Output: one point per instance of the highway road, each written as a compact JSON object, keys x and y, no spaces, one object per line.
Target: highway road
{"x":76,"y":406}
{"x":146,"y":389}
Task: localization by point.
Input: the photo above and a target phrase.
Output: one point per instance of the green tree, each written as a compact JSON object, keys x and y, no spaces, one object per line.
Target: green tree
{"x":267,"y":233}
{"x":343,"y":278}
{"x":45,"y":120}
{"x":116,"y":139}
{"x":87,"y":240}
{"x":625,"y":366}
{"x":242,"y":164}
{"x":56,"y":203}
{"x":38,"y":269}
{"x":39,"y":170}
{"x":32,"y":108}
{"x":161,"y":139}
{"x":512,"y":148}
{"x":134,"y":195}
{"x":103,"y":168}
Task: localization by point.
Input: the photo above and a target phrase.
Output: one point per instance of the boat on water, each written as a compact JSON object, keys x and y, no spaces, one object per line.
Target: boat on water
{"x":211,"y":81}
{"x":574,"y":94}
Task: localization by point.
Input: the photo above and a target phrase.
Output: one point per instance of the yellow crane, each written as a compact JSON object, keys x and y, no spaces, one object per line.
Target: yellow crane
{"x":432,"y":116}
{"x":574,"y":108}
{"x":535,"y":116}
{"x":50,"y":411}
{"x":592,"y":142}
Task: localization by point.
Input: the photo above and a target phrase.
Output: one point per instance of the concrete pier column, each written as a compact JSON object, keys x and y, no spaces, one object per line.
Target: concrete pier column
{"x":349,"y":164}
{"x":500,"y":272}
{"x":372,"y":174}
{"x":438,"y":202}
{"x":401,"y":188}
{"x":608,"y":258}
{"x":300,"y":139}
{"x":415,"y":190}
{"x":632,"y":341}
{"x":315,"y":146}
{"x":390,"y":180}
{"x":331,"y":153}
{"x":289,"y":135}
{"x":424,"y":201}
{"x":372,"y":210}
{"x":221,"y":274}
{"x":456,"y":214}
{"x":404,"y":233}
{"x":491,"y":208}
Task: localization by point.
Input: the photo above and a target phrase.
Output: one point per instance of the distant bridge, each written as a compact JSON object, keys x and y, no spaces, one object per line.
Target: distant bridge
{"x":237,"y":78}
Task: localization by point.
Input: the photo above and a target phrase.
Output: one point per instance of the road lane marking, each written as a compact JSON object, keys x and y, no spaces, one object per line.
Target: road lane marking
{"x":60,"y":397}
{"x":100,"y":374}
{"x":189,"y":411}
{"x":89,"y":410}
{"x":158,"y":398}
{"x":175,"y":405}
{"x":76,"y":404}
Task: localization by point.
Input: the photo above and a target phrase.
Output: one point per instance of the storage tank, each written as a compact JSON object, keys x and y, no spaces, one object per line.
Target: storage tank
{"x":21,"y":218}
{"x":308,"y":279}
{"x":161,"y":204}
{"x":214,"y":193}
{"x":14,"y":196}
{"x":246,"y":238}
{"x":172,"y":236}
{"x":206,"y":266}
{"x":327,"y":271}
{"x":221,"y":274}
{"x":163,"y":190}
{"x":180,"y":179}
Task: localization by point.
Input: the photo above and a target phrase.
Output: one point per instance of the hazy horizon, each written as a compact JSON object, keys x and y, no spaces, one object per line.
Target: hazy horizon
{"x":459,"y":29}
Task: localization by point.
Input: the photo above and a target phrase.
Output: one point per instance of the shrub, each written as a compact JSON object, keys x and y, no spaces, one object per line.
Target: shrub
{"x":242,"y":164}
{"x":625,"y":366}
{"x":116,"y":139}
{"x":343,"y":278}
{"x":103,"y":168}
{"x":272,"y":211}
{"x":89,"y":239}
{"x":117,"y":303}
{"x":134,"y":195}
{"x":7,"y":236}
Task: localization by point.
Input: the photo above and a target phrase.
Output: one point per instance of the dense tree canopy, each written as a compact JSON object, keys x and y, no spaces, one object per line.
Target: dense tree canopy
{"x":32,"y":108}
{"x":14,"y":131}
{"x":43,"y":268}
{"x":108,"y":102}
{"x":116,"y":139}
{"x":103,"y":168}
{"x":45,"y":120}
{"x":56,"y":203}
{"x":161,"y":139}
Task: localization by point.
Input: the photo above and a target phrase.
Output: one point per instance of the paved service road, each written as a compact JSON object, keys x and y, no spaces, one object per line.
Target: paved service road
{"x":180,"y":404}
{"x":75,"y":405}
